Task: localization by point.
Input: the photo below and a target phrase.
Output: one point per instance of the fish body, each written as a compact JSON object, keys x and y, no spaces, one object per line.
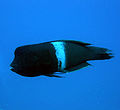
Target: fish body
{"x":54,"y":57}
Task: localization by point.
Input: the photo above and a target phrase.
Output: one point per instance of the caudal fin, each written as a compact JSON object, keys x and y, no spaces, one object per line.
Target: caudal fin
{"x":101,"y":53}
{"x":104,"y":56}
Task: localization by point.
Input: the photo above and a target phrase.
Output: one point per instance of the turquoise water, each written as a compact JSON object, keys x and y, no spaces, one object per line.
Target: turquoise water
{"x":35,"y":21}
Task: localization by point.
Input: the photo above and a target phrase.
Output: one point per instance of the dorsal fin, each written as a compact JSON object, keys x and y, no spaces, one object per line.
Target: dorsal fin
{"x":73,"y":41}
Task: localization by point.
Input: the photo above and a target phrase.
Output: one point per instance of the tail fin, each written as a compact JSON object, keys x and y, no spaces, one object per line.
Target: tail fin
{"x":104,"y":56}
{"x":101,"y":53}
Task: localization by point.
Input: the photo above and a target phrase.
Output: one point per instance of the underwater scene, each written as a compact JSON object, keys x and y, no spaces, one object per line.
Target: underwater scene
{"x":60,"y":55}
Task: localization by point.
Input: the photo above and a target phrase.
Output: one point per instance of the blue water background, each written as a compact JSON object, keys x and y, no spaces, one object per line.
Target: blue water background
{"x":25,"y":22}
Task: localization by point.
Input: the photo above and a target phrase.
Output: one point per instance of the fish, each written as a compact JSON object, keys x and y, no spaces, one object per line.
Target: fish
{"x":55,"y":57}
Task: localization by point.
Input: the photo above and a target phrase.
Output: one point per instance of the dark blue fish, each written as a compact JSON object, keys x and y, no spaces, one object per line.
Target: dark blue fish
{"x":50,"y":58}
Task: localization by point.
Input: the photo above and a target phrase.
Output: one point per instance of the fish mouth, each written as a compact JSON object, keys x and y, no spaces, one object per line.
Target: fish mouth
{"x":12,"y":69}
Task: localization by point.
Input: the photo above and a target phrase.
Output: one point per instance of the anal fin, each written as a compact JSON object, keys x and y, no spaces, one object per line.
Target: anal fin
{"x":53,"y":75}
{"x":82,"y":65}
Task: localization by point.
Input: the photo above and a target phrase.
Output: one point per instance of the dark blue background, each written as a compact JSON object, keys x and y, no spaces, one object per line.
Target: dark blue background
{"x":25,"y":22}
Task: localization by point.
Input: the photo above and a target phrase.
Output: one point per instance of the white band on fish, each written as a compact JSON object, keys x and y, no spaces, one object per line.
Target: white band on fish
{"x":60,"y":54}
